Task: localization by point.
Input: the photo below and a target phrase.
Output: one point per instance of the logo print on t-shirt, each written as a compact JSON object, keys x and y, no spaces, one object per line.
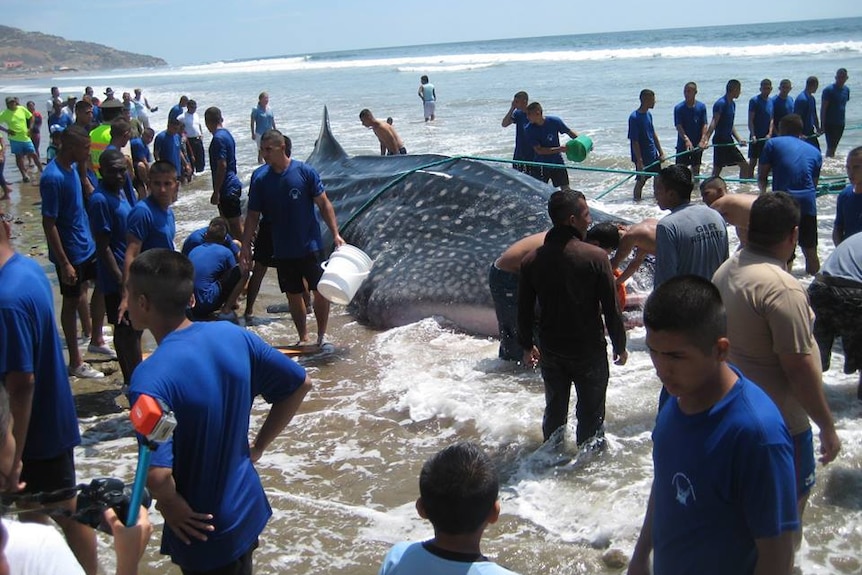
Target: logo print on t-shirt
{"x":684,"y":488}
{"x":294,"y":194}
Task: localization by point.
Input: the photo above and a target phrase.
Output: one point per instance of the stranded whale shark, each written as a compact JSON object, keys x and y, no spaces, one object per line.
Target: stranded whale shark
{"x":433,"y":225}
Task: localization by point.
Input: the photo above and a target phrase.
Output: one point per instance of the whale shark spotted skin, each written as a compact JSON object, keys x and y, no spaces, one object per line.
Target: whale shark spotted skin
{"x":433,"y":225}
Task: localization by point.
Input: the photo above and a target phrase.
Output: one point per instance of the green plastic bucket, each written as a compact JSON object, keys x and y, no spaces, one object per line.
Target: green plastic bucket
{"x":578,"y":148}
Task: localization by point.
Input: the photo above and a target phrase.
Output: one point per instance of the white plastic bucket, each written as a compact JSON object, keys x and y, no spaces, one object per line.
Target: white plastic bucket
{"x":343,"y":273}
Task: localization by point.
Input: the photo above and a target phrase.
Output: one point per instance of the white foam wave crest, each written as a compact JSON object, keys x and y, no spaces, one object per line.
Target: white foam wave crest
{"x":461,"y":62}
{"x":453,"y":68}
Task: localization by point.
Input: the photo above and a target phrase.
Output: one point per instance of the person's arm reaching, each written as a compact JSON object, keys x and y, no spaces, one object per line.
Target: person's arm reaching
{"x":277,"y":419}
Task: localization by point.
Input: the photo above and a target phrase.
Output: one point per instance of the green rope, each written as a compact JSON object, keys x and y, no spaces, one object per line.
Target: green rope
{"x":397,"y":179}
{"x":836,"y":184}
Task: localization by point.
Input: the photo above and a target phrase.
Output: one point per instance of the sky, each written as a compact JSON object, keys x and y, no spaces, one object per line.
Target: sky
{"x":201,"y":31}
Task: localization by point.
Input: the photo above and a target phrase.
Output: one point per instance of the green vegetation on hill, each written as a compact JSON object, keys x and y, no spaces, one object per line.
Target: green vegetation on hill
{"x":22,"y":51}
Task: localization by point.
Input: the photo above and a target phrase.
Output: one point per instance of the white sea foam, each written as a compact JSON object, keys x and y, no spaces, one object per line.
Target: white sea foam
{"x":472,"y":61}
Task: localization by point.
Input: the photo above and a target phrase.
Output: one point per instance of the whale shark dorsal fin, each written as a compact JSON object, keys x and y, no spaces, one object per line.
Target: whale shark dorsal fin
{"x":326,"y":148}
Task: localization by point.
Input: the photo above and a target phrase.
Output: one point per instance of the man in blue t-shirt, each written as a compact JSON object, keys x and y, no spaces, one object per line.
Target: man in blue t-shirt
{"x":33,"y":371}
{"x":806,"y":107}
{"x":646,"y":151}
{"x":833,"y":107}
{"x":848,"y":213}
{"x":723,"y":497}
{"x":178,"y":108}
{"x":141,"y":160}
{"x":208,"y":374}
{"x":70,"y":242}
{"x":795,"y":169}
{"x":782,"y":103}
{"x":168,"y":146}
{"x":285,"y":191}
{"x":217,"y":274}
{"x":109,"y":211}
{"x":725,"y":152}
{"x":760,"y":111}
{"x":198,"y":237}
{"x":689,"y":117}
{"x":227,"y":188}
{"x":517,"y":115}
{"x":543,"y":135}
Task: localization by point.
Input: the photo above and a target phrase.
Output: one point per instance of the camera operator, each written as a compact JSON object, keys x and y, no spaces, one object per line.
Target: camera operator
{"x":37,"y":549}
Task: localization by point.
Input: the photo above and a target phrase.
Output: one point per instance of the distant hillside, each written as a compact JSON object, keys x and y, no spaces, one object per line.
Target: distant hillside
{"x":22,"y":51}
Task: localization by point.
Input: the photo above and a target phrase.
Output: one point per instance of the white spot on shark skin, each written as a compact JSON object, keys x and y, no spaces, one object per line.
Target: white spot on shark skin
{"x":420,"y":203}
{"x":465,"y":190}
{"x":438,"y":174}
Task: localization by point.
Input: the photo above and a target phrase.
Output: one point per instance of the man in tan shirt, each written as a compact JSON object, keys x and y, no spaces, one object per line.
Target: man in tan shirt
{"x":769,"y":324}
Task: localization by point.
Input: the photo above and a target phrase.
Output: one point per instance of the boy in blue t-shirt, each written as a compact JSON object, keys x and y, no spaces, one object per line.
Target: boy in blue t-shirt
{"x":517,"y":115}
{"x":723,"y":498}
{"x":760,"y":125}
{"x":227,"y":188}
{"x":208,"y":374}
{"x":725,"y":152}
{"x":70,"y":241}
{"x":151,"y":222}
{"x":647,"y":154}
{"x":141,"y":160}
{"x":217,"y":274}
{"x":848,"y":214}
{"x":543,"y":135}
{"x":109,"y":211}
{"x":458,"y":489}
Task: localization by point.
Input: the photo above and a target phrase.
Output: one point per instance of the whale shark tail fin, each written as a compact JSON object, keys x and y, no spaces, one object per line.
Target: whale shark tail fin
{"x":326,"y":148}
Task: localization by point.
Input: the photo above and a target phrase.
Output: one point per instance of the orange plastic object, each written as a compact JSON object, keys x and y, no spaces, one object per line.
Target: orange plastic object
{"x":145,"y":414}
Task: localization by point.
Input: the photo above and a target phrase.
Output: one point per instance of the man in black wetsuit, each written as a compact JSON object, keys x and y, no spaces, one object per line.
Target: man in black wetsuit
{"x":574,"y":285}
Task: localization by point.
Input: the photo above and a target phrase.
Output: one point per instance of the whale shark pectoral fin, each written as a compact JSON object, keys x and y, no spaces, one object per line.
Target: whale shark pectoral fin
{"x":326,"y":148}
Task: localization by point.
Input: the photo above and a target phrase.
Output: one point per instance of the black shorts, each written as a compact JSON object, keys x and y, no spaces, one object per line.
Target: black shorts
{"x":558,"y":177}
{"x":112,"y":305}
{"x":726,"y":155}
{"x":239,"y":566}
{"x":51,"y":475}
{"x":227,"y":282}
{"x":229,"y":206}
{"x":833,"y":133}
{"x":86,"y":271}
{"x":813,"y":140}
{"x":807,"y":231}
{"x":292,"y":271}
{"x":756,"y":147}
{"x":263,"y":245}
{"x":690,"y":158}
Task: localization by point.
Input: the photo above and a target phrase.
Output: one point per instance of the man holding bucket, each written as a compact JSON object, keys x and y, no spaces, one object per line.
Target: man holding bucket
{"x":285,"y":191}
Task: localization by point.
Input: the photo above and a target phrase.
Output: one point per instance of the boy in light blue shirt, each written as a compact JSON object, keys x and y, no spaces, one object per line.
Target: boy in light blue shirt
{"x":458,"y":489}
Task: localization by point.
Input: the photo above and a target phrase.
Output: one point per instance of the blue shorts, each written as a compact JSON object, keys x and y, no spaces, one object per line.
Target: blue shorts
{"x":22,"y":148}
{"x":803,"y":462}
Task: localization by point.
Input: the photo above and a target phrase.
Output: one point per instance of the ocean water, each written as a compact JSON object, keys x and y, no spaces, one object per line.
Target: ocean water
{"x":343,"y":477}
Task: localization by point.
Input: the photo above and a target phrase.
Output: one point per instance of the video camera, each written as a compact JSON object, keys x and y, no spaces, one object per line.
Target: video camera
{"x":100,"y":494}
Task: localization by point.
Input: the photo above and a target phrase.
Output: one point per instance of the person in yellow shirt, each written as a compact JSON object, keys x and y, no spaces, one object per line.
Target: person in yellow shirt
{"x":17,"y":120}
